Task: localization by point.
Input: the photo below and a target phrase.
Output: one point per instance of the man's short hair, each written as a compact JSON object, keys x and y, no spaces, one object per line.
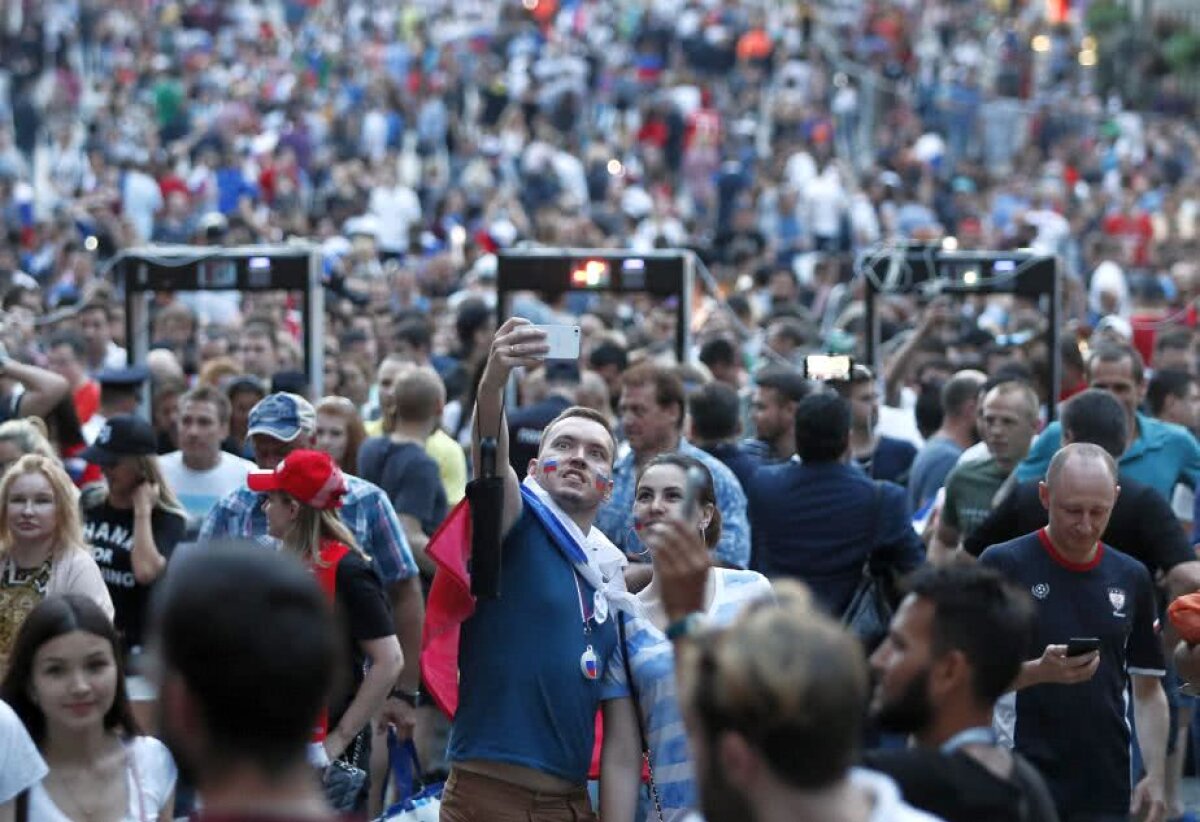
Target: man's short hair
{"x":822,"y":428}
{"x":1173,"y":339}
{"x":415,"y":333}
{"x":418,"y":395}
{"x":209,"y":394}
{"x":262,"y":327}
{"x":718,"y":351}
{"x":271,"y":634}
{"x":1117,"y":352}
{"x":1096,"y":417}
{"x":71,"y":339}
{"x":1079,"y":451}
{"x":979,"y":613}
{"x":960,"y":390}
{"x":714,"y":410}
{"x":585,"y":413}
{"x":609,"y":353}
{"x":668,"y":387}
{"x":788,"y":679}
{"x":789,"y":384}
{"x":1023,"y":389}
{"x":97,"y":306}
{"x":1167,"y":383}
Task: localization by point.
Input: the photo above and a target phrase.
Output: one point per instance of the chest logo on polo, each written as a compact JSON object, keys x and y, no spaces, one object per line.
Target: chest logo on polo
{"x":1116,"y":598}
{"x":1041,"y":590}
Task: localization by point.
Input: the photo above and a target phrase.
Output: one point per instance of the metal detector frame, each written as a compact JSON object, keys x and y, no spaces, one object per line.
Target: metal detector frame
{"x":928,"y":265}
{"x":148,"y":269}
{"x":548,"y":271}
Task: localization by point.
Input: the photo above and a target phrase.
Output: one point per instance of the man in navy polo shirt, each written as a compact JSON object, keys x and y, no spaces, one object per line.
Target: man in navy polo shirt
{"x":1070,"y":710}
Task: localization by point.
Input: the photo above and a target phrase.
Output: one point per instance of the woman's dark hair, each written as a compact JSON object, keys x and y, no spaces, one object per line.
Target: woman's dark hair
{"x":53,"y":617}
{"x":708,"y":495}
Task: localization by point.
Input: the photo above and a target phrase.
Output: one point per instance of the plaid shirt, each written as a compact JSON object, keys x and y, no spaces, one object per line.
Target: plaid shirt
{"x":366,"y":510}
{"x":616,"y":516}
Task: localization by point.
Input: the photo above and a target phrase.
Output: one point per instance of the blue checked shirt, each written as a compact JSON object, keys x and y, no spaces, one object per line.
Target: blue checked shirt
{"x":616,"y":516}
{"x":366,"y":510}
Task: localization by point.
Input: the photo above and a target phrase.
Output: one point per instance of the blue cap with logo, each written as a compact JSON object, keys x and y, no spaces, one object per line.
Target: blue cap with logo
{"x":282,"y":416}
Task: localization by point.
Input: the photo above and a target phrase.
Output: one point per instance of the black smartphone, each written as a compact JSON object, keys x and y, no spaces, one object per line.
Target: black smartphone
{"x":1078,"y":646}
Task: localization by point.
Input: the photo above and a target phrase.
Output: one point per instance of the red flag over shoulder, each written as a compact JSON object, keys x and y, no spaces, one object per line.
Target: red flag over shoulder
{"x":449,"y":605}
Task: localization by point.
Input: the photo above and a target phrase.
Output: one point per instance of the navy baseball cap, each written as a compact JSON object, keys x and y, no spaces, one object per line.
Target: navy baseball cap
{"x":282,"y":416}
{"x":125,"y":435}
{"x":130,"y":376}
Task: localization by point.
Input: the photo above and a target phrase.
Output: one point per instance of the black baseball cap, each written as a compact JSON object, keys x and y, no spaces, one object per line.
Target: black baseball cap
{"x":125,"y":435}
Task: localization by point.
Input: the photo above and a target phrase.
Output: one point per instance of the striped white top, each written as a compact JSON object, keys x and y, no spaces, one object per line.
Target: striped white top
{"x":653,"y":663}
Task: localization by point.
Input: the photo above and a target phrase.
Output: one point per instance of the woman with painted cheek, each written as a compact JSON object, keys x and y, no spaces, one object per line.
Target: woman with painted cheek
{"x":645,"y":652}
{"x":66,"y":683}
{"x":42,"y":550}
{"x":304,"y":492}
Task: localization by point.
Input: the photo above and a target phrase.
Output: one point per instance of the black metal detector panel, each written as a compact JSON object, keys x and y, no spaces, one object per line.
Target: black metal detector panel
{"x":934,"y":270}
{"x":554,"y":272}
{"x":245,"y":268}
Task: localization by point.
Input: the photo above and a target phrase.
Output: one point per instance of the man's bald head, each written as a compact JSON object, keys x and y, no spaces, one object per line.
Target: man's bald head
{"x":1080,"y":453}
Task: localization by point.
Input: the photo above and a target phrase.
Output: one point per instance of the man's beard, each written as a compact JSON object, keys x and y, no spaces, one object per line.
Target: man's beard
{"x":912,"y":711}
{"x":719,"y":799}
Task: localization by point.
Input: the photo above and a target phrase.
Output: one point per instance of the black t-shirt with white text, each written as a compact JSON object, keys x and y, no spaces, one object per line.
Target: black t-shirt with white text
{"x":1076,"y":735}
{"x":109,"y":533}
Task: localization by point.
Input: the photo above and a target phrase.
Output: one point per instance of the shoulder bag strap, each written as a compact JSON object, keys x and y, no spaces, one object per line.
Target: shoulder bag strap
{"x":875,"y":499}
{"x":637,"y":712}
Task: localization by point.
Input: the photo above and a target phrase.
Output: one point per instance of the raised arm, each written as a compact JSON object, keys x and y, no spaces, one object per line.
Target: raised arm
{"x":43,"y":389}
{"x":517,"y":343}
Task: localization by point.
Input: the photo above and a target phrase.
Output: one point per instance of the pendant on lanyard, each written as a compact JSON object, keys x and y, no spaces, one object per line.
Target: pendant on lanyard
{"x":589,"y":663}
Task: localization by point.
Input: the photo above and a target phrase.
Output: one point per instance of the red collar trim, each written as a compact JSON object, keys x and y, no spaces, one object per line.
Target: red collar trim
{"x":1070,"y":565}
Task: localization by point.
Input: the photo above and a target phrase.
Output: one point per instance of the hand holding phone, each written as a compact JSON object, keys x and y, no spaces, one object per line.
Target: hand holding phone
{"x":1078,"y":646}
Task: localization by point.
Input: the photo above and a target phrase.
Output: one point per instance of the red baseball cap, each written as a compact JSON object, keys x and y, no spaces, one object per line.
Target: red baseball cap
{"x":311,"y":477}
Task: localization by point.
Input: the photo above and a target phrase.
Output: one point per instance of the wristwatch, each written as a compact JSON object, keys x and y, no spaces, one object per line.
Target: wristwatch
{"x":413,"y":698}
{"x":687,"y":626}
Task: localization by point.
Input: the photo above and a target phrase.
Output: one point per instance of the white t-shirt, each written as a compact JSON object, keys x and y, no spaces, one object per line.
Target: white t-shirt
{"x":150,"y":779}
{"x":21,"y":766}
{"x":199,"y":491}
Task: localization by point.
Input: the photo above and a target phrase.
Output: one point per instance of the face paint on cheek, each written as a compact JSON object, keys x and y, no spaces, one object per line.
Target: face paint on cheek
{"x":549,"y":466}
{"x":602,"y":482}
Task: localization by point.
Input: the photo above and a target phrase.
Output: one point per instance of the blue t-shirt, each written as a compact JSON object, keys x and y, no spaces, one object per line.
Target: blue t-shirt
{"x":1163,"y":455}
{"x":1110,"y":598}
{"x":929,"y":469}
{"x":523,"y":698}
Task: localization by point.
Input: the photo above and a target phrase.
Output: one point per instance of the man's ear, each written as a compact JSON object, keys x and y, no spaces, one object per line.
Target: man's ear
{"x":531,"y":470}
{"x":1044,"y":494}
{"x":739,"y":762}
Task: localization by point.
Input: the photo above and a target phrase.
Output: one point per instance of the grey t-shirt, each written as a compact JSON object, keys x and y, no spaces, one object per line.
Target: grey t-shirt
{"x":929,"y":470}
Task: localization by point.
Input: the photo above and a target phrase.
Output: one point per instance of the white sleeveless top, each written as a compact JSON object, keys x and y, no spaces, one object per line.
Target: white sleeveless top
{"x":150,"y":779}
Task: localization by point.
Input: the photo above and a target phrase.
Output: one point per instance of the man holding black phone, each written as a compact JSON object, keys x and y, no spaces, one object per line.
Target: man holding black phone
{"x":1094,"y":634}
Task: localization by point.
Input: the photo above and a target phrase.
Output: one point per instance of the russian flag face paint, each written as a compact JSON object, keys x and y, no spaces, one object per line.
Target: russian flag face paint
{"x":603,"y":483}
{"x":549,"y":466}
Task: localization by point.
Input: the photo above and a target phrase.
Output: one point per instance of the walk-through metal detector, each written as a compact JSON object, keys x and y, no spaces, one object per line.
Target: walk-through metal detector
{"x":554,"y":272}
{"x":933,"y":270}
{"x":150,"y":269}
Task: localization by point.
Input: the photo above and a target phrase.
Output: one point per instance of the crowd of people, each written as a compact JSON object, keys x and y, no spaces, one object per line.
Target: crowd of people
{"x":693,"y":542}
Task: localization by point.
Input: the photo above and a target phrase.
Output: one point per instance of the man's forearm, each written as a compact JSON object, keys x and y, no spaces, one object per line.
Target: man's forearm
{"x":1030,"y":675}
{"x":408,"y":612}
{"x":43,"y":389}
{"x":1150,"y":714}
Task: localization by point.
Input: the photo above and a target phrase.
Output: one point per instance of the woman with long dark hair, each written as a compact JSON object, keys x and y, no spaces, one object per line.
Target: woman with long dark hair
{"x":66,"y":683}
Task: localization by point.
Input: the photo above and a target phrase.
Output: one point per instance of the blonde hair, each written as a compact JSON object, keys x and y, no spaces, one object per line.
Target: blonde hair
{"x":29,"y":434}
{"x":68,"y":528}
{"x":311,"y":526}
